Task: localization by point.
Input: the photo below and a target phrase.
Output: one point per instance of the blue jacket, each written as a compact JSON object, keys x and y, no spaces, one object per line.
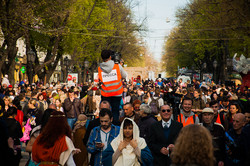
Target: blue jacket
{"x":95,"y":136}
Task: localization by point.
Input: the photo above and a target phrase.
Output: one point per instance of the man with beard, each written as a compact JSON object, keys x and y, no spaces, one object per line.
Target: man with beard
{"x":101,"y":136}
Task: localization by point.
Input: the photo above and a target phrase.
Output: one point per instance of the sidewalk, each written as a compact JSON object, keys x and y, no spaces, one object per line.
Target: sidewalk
{"x":25,"y":156}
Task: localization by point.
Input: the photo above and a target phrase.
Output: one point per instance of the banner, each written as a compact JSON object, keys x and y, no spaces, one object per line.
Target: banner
{"x":71,"y":77}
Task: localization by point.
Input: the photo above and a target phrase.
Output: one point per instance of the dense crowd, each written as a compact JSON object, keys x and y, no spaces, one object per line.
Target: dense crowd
{"x":65,"y":124}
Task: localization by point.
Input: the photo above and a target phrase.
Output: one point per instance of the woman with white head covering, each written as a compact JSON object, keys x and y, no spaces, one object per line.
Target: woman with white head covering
{"x":128,"y":149}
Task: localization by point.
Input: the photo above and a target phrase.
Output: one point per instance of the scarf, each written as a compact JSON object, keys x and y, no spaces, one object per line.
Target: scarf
{"x":128,"y":156}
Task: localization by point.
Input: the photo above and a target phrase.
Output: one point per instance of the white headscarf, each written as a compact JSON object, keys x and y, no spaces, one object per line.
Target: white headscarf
{"x":128,"y":156}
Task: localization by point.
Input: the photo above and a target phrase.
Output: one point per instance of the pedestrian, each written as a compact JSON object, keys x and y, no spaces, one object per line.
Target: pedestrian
{"x":101,"y":136}
{"x":81,"y":159}
{"x":185,"y":153}
{"x":219,"y":117}
{"x":110,"y":75}
{"x":218,"y":135}
{"x":235,"y":153}
{"x":128,"y":148}
{"x":145,"y":121}
{"x":198,"y":103}
{"x":54,"y":146}
{"x":186,"y":115}
{"x":72,"y":108}
{"x":15,"y":132}
{"x":162,"y":137}
{"x":129,"y":112}
{"x":233,"y":110}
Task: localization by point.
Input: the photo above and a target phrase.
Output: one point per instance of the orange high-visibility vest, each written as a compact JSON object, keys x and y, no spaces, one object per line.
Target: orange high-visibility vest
{"x":218,"y":120}
{"x":190,"y":120}
{"x":111,"y":82}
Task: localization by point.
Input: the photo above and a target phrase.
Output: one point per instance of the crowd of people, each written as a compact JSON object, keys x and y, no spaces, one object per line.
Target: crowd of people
{"x":125,"y":123}
{"x":151,"y":117}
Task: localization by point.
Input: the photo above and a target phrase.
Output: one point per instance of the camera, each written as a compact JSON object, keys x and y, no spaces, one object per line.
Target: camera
{"x":116,"y":57}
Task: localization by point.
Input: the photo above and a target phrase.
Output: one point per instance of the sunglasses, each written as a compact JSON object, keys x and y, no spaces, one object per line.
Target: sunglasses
{"x":168,"y":110}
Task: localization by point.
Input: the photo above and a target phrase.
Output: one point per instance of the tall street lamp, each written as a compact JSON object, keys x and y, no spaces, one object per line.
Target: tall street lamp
{"x":204,"y":66}
{"x":229,"y":66}
{"x":66,"y":63}
{"x":86,"y":65}
{"x":215,"y":63}
{"x":30,"y":60}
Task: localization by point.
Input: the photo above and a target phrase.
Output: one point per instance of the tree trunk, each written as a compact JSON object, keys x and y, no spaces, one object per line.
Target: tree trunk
{"x":12,"y":52}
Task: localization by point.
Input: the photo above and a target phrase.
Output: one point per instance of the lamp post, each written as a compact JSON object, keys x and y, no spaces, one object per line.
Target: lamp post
{"x":229,"y":66}
{"x":204,"y":66}
{"x":66,"y":63}
{"x":215,"y":63}
{"x":86,"y":65}
{"x":30,"y":60}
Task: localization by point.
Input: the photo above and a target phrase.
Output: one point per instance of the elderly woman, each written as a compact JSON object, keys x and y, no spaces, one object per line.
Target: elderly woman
{"x":146,"y":120}
{"x":127,"y":148}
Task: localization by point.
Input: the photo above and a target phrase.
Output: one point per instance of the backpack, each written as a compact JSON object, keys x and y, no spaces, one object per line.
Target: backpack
{"x":154,"y":104}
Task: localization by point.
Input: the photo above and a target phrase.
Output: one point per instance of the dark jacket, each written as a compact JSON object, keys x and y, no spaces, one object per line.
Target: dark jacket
{"x":198,"y":103}
{"x":157,"y":140}
{"x":144,"y":125}
{"x":135,"y":117}
{"x":14,"y":130}
{"x":237,"y":152}
{"x":218,"y":135}
{"x":72,"y":109}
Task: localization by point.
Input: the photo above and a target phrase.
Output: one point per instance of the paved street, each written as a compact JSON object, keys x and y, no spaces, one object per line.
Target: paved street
{"x":25,"y":156}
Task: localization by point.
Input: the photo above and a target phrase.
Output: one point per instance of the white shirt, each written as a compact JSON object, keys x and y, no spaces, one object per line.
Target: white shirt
{"x":105,"y":138}
{"x":168,"y":123}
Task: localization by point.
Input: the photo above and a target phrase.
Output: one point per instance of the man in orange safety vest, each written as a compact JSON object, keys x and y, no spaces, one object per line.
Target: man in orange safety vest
{"x":186,"y":116}
{"x":110,"y":75}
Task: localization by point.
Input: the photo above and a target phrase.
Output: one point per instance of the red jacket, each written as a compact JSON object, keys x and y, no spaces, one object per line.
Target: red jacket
{"x":19,"y":117}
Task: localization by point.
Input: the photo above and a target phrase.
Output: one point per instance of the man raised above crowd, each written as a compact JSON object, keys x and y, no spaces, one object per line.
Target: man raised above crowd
{"x":110,"y":75}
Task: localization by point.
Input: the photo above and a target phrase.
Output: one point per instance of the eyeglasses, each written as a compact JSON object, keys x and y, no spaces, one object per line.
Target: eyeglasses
{"x":168,"y":110}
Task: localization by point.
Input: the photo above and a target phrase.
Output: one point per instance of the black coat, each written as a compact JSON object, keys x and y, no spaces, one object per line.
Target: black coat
{"x":218,"y":135}
{"x":144,"y":125}
{"x":157,"y":140}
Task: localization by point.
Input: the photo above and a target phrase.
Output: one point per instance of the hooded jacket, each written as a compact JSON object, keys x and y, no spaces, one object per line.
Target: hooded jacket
{"x":108,"y":66}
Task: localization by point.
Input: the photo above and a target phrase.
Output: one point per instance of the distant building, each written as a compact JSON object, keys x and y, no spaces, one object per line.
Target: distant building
{"x":143,"y":72}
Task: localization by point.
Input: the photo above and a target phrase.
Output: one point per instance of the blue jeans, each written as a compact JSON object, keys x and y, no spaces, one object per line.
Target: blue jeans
{"x":71,"y":122}
{"x":115,"y":105}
